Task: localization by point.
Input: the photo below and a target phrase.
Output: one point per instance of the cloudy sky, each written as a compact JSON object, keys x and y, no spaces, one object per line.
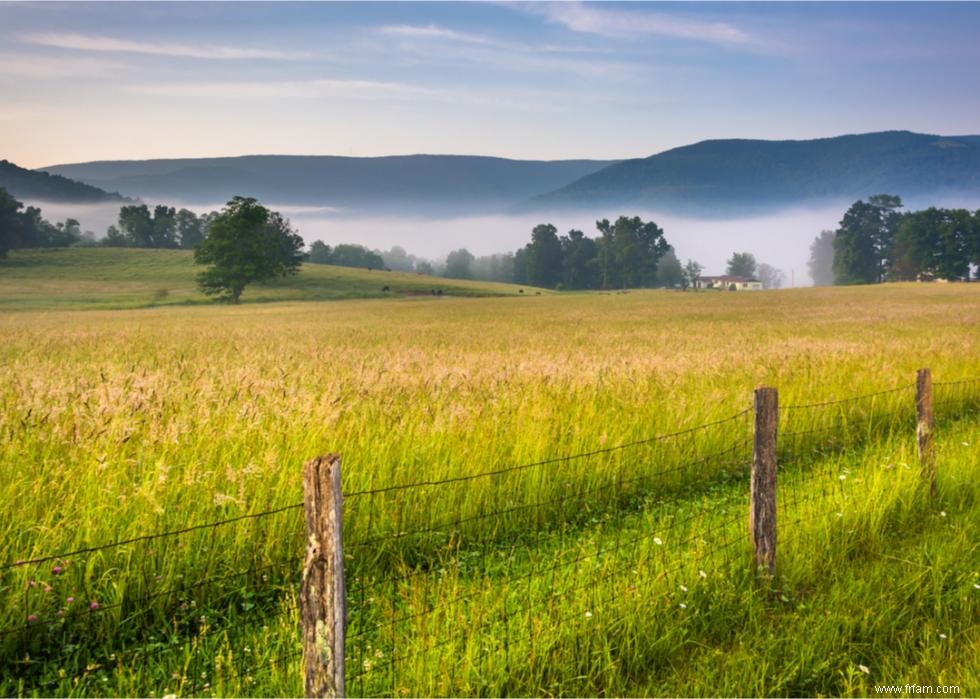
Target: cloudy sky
{"x":90,"y":81}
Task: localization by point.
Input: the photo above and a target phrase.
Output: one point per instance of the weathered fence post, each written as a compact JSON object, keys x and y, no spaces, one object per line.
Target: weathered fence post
{"x":924,"y":430}
{"x":762,"y":509}
{"x":322,"y":604}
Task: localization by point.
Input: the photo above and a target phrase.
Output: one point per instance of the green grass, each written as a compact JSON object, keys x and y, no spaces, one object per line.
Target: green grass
{"x":116,"y":278}
{"x":553,"y":582}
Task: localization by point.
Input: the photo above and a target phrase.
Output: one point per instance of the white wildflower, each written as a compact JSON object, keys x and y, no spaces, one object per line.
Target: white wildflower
{"x":864,"y":669}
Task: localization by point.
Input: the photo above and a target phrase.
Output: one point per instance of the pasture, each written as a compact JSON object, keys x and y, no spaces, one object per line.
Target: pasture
{"x":545,"y":580}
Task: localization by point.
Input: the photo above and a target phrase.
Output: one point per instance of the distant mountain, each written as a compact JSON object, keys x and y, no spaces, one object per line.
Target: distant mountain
{"x":448,"y":183}
{"x":33,"y":185}
{"x":732,"y":176}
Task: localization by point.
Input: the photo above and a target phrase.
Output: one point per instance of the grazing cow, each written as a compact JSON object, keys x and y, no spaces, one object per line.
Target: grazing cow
{"x":385,"y":289}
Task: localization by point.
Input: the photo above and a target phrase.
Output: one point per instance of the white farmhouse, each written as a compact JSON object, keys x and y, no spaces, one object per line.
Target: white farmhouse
{"x":728,"y":282}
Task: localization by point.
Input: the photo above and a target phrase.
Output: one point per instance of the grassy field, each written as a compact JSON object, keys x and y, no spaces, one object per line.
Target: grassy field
{"x":115,"y":278}
{"x":621,"y":573}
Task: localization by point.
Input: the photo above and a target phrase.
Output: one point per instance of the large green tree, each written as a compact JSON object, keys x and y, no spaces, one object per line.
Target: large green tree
{"x":628,"y":252}
{"x":544,"y":258}
{"x":915,"y":245}
{"x":246,"y":243}
{"x":955,"y":245}
{"x":864,"y":241}
{"x":638,"y":246}
{"x":579,"y":268}
{"x":741,"y":264}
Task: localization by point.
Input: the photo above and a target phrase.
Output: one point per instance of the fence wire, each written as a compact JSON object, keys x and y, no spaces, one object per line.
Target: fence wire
{"x":449,"y":577}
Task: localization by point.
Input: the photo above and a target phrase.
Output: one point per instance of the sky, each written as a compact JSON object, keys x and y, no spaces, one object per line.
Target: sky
{"x":96,"y":81}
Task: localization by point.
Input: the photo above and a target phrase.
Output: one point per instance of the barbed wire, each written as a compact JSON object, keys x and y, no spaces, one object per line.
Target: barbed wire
{"x":607,"y":548}
{"x":577,"y":494}
{"x":148,"y":537}
{"x":960,"y":382}
{"x":544,"y":462}
{"x":807,"y":406}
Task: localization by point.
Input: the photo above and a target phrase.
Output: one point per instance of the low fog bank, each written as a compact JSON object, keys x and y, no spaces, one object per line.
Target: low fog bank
{"x":781,"y":239}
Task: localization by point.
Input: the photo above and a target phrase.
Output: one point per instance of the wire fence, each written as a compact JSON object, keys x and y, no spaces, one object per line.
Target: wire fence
{"x":456,"y":585}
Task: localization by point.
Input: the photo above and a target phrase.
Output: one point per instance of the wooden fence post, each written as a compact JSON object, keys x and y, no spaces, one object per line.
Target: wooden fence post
{"x":762,"y":509}
{"x":924,"y":430}
{"x":322,"y":601}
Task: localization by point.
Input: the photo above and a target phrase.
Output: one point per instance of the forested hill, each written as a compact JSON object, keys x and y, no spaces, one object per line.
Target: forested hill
{"x":22,"y":183}
{"x":725,"y":176}
{"x":434,"y":182}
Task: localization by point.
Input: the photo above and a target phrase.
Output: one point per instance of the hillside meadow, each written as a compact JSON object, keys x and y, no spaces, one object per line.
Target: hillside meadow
{"x":116,"y":278}
{"x":516,"y":571}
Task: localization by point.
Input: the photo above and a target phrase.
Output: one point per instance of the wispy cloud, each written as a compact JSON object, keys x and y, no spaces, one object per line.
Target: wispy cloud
{"x":439,"y":44}
{"x":106,"y":44}
{"x":433,"y":31}
{"x":298,"y":89}
{"x":33,"y":66}
{"x":616,"y":23}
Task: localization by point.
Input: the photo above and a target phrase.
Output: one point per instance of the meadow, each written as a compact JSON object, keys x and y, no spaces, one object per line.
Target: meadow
{"x":121,"y":278}
{"x":623,"y":572}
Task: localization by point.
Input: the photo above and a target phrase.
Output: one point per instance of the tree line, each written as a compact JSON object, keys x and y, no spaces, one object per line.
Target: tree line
{"x":627,"y":253}
{"x":22,"y":227}
{"x":876,"y":242}
{"x":138,"y":227}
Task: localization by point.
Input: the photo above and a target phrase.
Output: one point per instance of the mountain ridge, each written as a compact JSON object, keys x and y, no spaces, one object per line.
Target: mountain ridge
{"x":739,"y":174}
{"x":22,"y":183}
{"x":713,"y":177}
{"x":387,"y":182}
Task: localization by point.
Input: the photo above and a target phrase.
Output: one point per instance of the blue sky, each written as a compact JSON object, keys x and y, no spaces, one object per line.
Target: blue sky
{"x":92,"y":81}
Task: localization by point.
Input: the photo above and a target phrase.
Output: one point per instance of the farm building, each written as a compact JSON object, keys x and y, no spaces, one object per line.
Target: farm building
{"x":728,"y":282}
